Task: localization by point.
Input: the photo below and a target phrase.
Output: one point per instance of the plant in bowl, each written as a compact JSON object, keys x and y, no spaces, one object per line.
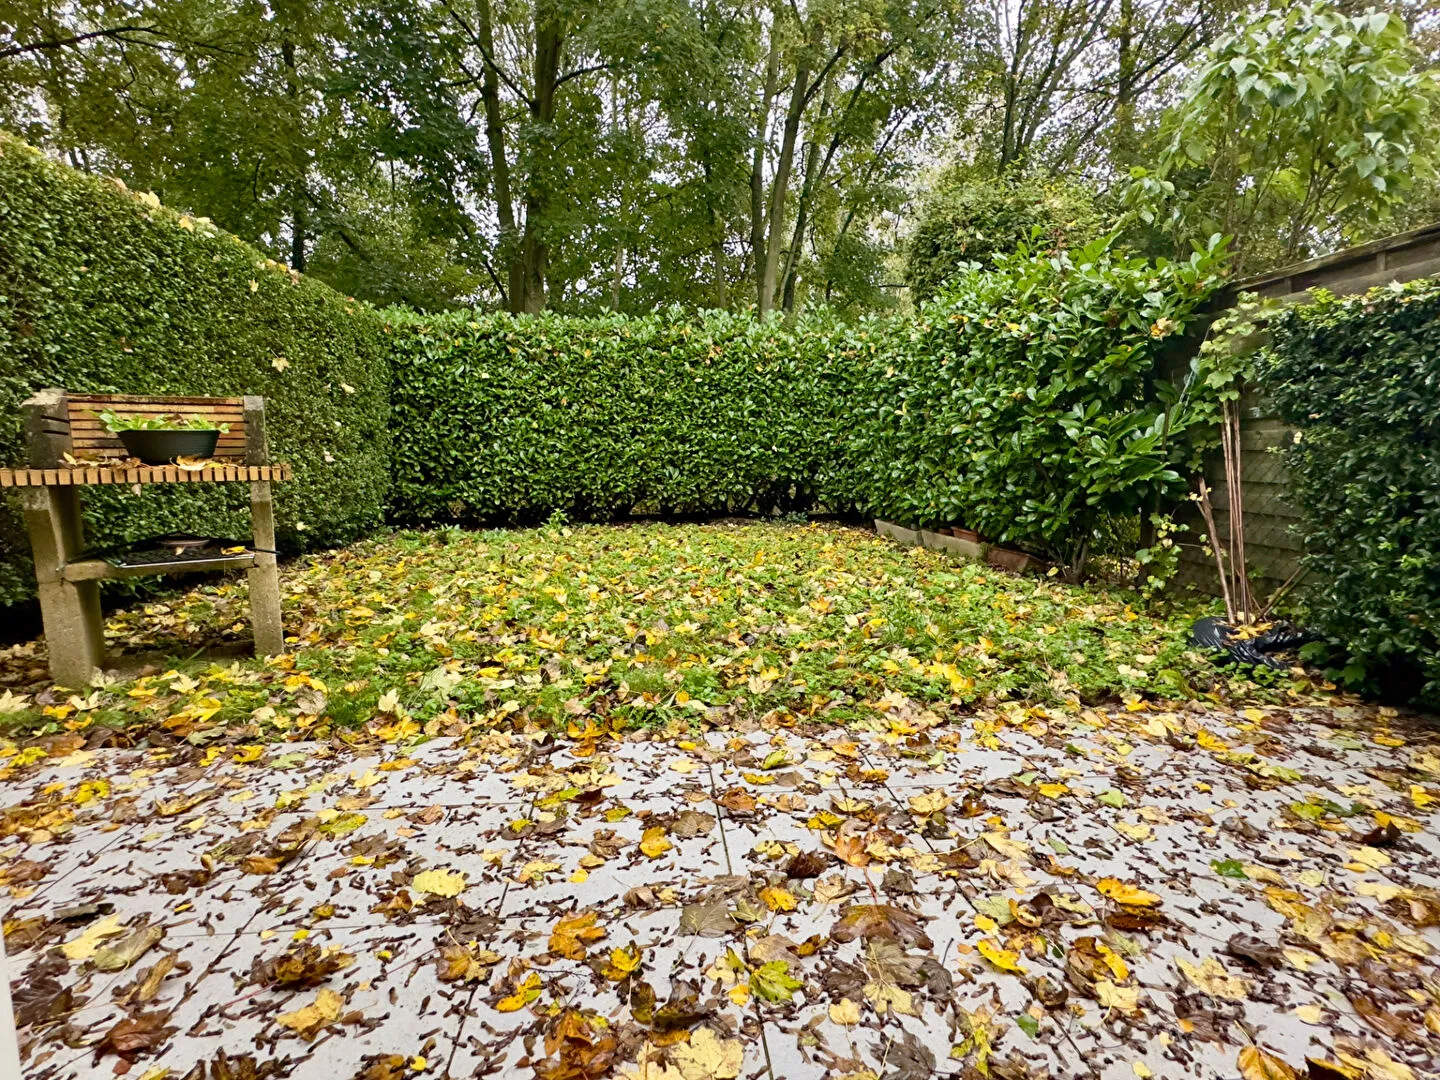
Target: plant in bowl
{"x":160,"y":439}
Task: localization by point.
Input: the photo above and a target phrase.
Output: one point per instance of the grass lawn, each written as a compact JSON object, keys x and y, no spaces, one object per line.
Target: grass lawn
{"x":423,"y":633}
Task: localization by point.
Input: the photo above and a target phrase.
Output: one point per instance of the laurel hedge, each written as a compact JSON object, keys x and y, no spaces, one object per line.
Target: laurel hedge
{"x":1360,"y":378}
{"x":506,"y":419}
{"x":103,"y":290}
{"x":1025,"y":402}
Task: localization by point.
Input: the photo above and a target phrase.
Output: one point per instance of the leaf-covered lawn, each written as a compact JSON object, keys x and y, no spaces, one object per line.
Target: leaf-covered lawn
{"x":639,"y":625}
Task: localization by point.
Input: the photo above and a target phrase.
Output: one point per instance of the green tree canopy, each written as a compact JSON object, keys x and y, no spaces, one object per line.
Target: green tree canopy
{"x":1300,"y":129}
{"x":970,"y":220}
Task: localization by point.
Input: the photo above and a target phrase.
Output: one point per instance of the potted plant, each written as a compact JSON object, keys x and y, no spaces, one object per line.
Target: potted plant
{"x":159,"y":440}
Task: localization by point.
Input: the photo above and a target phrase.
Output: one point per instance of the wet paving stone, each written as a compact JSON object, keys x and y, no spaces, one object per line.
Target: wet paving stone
{"x":1116,"y":894}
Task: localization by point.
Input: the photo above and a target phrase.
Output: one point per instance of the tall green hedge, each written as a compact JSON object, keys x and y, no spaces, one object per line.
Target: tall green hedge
{"x":1024,"y":402}
{"x":102,"y":290}
{"x":1360,"y":378}
{"x":1027,"y":400}
{"x":505,"y":418}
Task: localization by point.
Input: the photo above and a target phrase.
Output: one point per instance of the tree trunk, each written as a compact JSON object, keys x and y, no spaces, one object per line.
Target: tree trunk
{"x":500,"y":165}
{"x":813,"y":172}
{"x":298,"y":162}
{"x":617,"y":277}
{"x":1123,"y":144}
{"x":780,"y":186}
{"x":717,"y":256}
{"x":536,"y":250}
{"x":717,"y":240}
{"x":757,"y":169}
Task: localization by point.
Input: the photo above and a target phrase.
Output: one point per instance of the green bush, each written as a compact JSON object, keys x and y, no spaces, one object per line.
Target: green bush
{"x":1026,"y":400}
{"x":104,"y":291}
{"x":503,"y":418}
{"x":972,"y":221}
{"x":1360,"y":377}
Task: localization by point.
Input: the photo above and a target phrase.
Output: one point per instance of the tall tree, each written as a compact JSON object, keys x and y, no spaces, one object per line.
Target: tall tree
{"x":1300,"y":126}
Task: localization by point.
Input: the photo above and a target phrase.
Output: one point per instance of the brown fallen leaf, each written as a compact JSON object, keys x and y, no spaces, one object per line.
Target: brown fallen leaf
{"x":1255,"y":950}
{"x":641,"y":897}
{"x":1048,"y":992}
{"x":806,"y":864}
{"x":849,"y":849}
{"x":461,"y":963}
{"x":40,"y":999}
{"x":135,"y":1035}
{"x":1387,"y":1021}
{"x":1386,"y":835}
{"x":738,"y":801}
{"x":240,"y":1067}
{"x":864,"y":921}
{"x":692,"y":823}
{"x":300,"y":968}
{"x":709,"y":918}
{"x":578,"y":1046}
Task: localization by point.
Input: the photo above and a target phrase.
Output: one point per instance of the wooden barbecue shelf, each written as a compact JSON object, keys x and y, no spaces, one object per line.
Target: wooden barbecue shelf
{"x":143,"y":474}
{"x":99,"y":569}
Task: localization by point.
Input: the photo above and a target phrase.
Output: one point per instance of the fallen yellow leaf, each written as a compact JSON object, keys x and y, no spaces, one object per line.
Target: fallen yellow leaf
{"x":654,"y":842}
{"x":777,"y":899}
{"x":572,"y":934}
{"x":85,"y":946}
{"x":439,"y":882}
{"x":309,"y":1020}
{"x":1121,"y":893}
{"x":1255,"y":1064}
{"x":1004,"y":959}
{"x":525,"y":993}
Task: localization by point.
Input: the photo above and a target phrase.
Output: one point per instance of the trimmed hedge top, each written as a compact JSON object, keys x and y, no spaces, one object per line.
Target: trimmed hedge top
{"x":105,"y":291}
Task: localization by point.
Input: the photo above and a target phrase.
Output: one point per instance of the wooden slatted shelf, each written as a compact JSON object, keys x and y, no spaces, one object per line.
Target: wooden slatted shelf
{"x":143,"y":474}
{"x":99,"y":569}
{"x":90,"y":439}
